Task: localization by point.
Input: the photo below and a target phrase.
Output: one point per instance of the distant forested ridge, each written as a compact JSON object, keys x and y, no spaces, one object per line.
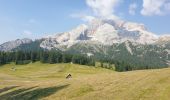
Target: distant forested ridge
{"x":126,"y":56}
{"x":125,"y":63}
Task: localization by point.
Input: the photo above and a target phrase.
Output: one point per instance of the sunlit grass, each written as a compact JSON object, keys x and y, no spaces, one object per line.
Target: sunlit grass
{"x":36,"y":80}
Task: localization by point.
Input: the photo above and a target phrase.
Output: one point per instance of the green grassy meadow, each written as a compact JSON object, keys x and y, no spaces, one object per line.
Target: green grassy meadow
{"x":38,"y":81}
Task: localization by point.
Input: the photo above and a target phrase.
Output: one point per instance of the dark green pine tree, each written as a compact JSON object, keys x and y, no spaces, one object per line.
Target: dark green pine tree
{"x":66,"y":58}
{"x":44,"y":56}
{"x":1,"y":58}
{"x":34,"y":57}
{"x":52,"y":58}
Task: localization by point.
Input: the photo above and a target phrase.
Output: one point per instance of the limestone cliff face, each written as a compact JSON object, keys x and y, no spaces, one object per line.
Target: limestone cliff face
{"x":8,"y":46}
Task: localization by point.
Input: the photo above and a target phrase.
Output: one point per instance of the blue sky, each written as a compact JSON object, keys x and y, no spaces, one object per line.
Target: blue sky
{"x":38,"y":18}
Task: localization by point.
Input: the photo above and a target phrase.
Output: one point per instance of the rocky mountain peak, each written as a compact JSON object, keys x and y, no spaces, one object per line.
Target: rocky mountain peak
{"x":105,"y":31}
{"x":8,"y":46}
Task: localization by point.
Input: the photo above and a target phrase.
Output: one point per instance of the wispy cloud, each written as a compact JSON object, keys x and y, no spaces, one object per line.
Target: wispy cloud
{"x":27,"y":32}
{"x":32,"y":21}
{"x":82,"y":16}
{"x":132,"y":8}
{"x":155,"y":7}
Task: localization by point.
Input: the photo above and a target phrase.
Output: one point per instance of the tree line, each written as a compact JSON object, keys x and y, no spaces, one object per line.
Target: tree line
{"x":52,"y":57}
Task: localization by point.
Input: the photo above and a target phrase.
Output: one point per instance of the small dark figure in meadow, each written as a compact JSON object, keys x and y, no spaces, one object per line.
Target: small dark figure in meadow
{"x":68,"y":76}
{"x":13,"y":69}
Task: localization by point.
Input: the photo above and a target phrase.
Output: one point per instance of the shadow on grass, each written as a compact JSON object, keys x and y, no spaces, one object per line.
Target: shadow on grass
{"x":7,"y":88}
{"x":32,"y":93}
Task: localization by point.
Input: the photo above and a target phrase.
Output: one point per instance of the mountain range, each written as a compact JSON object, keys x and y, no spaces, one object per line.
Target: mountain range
{"x":105,"y":38}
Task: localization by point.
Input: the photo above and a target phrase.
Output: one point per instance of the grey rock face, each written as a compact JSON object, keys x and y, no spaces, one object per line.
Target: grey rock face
{"x":8,"y":46}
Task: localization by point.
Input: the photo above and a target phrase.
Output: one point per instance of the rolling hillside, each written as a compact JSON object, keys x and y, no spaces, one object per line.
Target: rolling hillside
{"x":47,"y":82}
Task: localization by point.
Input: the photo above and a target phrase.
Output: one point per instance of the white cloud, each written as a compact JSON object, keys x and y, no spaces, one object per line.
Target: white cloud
{"x":167,"y":7}
{"x":98,"y":9}
{"x":103,"y":8}
{"x":83,"y":17}
{"x":132,"y":8}
{"x":27,"y":32}
{"x":155,"y":7}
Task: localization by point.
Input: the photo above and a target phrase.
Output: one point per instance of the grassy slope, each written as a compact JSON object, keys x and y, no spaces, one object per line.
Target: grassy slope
{"x":45,"y":81}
